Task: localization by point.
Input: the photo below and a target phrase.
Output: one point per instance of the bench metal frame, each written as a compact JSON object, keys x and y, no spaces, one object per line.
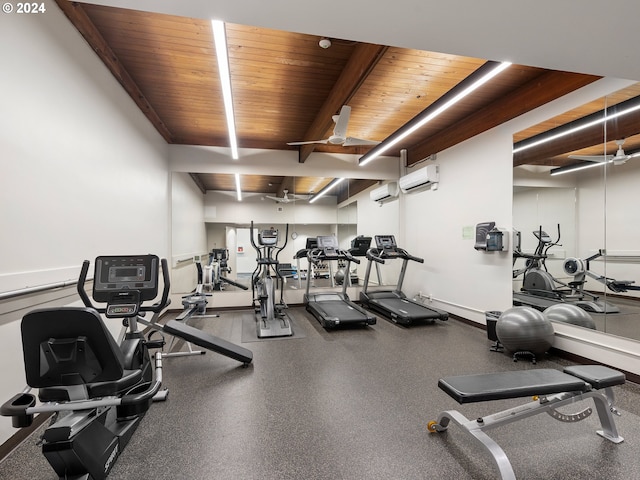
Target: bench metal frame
{"x":603,"y":400}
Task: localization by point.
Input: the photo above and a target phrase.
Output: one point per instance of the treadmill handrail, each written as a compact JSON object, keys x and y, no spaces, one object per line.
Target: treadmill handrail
{"x":374,"y":255}
{"x":378,"y":255}
{"x":408,"y":256}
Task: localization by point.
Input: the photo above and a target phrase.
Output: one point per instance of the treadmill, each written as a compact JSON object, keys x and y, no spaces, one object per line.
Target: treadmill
{"x":332,"y":309}
{"x":394,"y":304}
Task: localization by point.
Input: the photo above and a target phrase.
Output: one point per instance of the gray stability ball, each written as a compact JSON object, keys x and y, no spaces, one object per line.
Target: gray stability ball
{"x":568,"y":313}
{"x":524,"y":329}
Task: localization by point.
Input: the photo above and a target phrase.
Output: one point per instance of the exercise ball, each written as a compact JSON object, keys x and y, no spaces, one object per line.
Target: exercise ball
{"x":569,"y":313}
{"x":524,"y":329}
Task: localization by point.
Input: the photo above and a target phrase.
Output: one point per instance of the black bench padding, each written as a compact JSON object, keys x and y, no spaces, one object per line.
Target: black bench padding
{"x":205,"y":340}
{"x":597,"y":375}
{"x":502,"y":385}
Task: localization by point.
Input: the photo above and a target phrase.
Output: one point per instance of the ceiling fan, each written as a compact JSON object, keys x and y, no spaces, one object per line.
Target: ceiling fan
{"x":339,"y":132}
{"x":618,"y":159}
{"x":286,"y":197}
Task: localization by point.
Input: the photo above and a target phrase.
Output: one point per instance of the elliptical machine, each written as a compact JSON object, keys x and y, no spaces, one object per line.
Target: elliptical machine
{"x":98,"y":390}
{"x":272,"y":320}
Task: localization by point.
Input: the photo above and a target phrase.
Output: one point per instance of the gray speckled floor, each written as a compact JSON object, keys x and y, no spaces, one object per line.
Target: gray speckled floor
{"x":348,"y":404}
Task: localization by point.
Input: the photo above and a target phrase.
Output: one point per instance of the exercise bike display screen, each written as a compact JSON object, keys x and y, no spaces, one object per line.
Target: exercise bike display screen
{"x":117,"y":275}
{"x":126,"y":274}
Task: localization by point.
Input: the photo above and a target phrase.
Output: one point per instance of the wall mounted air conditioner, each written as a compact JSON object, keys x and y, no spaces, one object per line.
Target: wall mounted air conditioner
{"x":419,"y":178}
{"x":388,"y":191}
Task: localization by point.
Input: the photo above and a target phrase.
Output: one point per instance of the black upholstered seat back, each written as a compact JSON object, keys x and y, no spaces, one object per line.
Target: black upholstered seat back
{"x":68,"y":346}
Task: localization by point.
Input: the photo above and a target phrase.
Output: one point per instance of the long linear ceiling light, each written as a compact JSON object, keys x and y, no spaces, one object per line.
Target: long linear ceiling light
{"x":326,"y":189}
{"x":238,"y":189}
{"x":583,"y":166}
{"x":467,"y":86}
{"x":220,"y":41}
{"x":576,"y":167}
{"x":583,"y":123}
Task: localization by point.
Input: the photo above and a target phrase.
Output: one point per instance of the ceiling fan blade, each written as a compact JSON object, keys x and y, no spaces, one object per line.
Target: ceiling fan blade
{"x":351,"y":141}
{"x":592,"y":158}
{"x":342,"y":120}
{"x":308,"y":143}
{"x":277,"y":199}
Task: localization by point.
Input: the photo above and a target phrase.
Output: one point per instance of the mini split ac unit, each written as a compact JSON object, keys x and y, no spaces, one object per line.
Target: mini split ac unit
{"x":419,"y":178}
{"x":385,"y":192}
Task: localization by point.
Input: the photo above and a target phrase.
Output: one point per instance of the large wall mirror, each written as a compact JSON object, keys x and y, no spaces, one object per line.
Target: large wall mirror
{"x":586,"y":189}
{"x":219,"y":238}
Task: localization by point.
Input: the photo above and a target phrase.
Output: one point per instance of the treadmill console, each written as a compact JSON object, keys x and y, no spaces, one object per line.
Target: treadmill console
{"x":268,"y":238}
{"x":387,"y":245}
{"x":360,"y":245}
{"x":329,"y":246}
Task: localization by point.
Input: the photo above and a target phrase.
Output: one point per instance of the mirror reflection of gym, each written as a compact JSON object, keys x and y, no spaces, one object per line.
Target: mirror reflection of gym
{"x":597,"y":245}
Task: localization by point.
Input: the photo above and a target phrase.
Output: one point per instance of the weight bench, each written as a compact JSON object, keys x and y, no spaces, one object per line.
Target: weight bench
{"x":550,"y":389}
{"x":205,"y":340}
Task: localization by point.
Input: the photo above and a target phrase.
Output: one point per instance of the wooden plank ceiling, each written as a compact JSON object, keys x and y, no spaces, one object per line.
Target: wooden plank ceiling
{"x":286,"y":88}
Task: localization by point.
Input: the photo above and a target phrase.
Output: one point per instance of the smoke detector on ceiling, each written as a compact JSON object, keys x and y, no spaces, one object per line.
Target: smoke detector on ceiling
{"x":324,"y":43}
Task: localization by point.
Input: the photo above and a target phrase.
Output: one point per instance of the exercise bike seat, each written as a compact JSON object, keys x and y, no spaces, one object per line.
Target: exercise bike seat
{"x":129,"y":379}
{"x":71,"y":346}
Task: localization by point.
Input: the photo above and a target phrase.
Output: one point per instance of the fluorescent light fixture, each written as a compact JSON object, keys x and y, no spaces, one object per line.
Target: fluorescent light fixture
{"x":434,"y":110}
{"x":238,"y":190}
{"x":576,"y":167}
{"x":568,"y":131}
{"x":326,"y":189}
{"x":220,"y":42}
{"x":583,"y":166}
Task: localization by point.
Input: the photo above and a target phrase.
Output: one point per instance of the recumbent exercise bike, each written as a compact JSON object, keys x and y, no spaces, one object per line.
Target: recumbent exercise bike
{"x":98,"y":390}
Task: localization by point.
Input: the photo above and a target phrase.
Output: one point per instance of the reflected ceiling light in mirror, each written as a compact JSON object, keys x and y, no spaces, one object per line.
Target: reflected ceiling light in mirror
{"x":220,"y":43}
{"x":326,"y":189}
{"x":575,"y":167}
{"x":474,"y":81}
{"x":583,"y":166}
{"x":238,"y":189}
{"x":589,"y":121}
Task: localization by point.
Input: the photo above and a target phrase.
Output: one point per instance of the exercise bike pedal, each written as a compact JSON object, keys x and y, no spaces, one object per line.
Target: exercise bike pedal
{"x":156,"y":344}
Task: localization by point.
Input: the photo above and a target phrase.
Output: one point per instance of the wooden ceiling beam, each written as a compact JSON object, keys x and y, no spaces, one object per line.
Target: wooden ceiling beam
{"x":360,"y":64}
{"x":535,"y":93}
{"x":78,"y":17}
{"x":288,"y":184}
{"x":199,"y":183}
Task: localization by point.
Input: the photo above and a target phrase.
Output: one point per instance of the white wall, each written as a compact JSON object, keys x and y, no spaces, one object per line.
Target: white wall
{"x":188,"y":233}
{"x":474,"y":187}
{"x":223,"y":207}
{"x":83,"y":172}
